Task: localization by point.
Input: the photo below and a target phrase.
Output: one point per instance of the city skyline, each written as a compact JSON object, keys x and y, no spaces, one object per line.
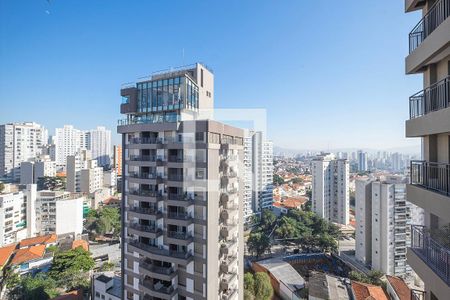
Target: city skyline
{"x":293,"y":66}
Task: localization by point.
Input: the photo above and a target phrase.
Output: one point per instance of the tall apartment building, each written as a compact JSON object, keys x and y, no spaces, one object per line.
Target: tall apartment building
{"x":32,"y":170}
{"x":17,"y":214}
{"x":362,"y":161}
{"x":182,"y":179}
{"x":68,"y":141}
{"x":330,"y":188}
{"x":99,"y":142}
{"x":429,"y":55}
{"x":258,"y":174}
{"x":59,"y":212}
{"x":19,"y":142}
{"x":83,"y":174}
{"x":117,"y":160}
{"x":383,"y":224}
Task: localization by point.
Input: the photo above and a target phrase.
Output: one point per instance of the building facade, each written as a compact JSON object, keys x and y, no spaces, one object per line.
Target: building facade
{"x":258,"y":174}
{"x":182,"y":197}
{"x":362,"y":161}
{"x":99,"y":142}
{"x":383,"y":224}
{"x":429,"y":55}
{"x":19,"y":142}
{"x":83,"y":174}
{"x":117,"y":160}
{"x":17,"y":213}
{"x":32,"y":170}
{"x":59,"y":212}
{"x":68,"y":141}
{"x":330,"y":188}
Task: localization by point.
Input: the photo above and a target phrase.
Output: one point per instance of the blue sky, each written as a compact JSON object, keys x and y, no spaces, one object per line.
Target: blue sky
{"x":330,"y":76}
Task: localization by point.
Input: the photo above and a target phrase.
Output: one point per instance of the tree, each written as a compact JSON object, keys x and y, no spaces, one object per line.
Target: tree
{"x":249,"y":286}
{"x":288,"y":228}
{"x":105,"y":220}
{"x":268,"y":219}
{"x":297,"y":180}
{"x":277,"y":179}
{"x":107,"y":266}
{"x":263,"y":287}
{"x":258,"y":243}
{"x":69,"y":268}
{"x":373,"y":277}
{"x":38,"y":287}
{"x":2,"y":186}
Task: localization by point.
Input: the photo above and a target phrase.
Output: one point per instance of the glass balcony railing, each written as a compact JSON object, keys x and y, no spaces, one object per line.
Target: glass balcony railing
{"x":435,"y":16}
{"x":436,"y":255}
{"x":431,"y":175}
{"x":433,"y":98}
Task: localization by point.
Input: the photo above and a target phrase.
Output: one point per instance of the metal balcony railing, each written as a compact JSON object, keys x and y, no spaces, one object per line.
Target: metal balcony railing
{"x":145,"y":228}
{"x":145,"y":193}
{"x":156,"y":269}
{"x":160,"y":289}
{"x":431,"y":175}
{"x":146,"y":210}
{"x":179,"y":216}
{"x":160,"y":251}
{"x":433,"y":98}
{"x":143,"y":140}
{"x":179,"y":235}
{"x":434,"y":254}
{"x":150,"y":158}
{"x":435,"y":16}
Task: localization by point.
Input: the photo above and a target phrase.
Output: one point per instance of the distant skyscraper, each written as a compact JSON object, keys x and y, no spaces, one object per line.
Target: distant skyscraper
{"x":19,"y":142}
{"x":383,"y":224}
{"x":330,"y":188}
{"x":68,"y":141}
{"x":258,"y":177}
{"x":99,"y":142}
{"x":362,"y":161}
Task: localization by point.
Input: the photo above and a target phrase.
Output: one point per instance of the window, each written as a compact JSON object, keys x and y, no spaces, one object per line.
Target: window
{"x":97,"y":294}
{"x":201,"y":77}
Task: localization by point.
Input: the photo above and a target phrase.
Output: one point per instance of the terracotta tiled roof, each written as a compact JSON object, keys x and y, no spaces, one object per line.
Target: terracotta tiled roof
{"x":80,"y":243}
{"x":294,"y":202}
{"x":44,"y":239}
{"x":401,"y":289}
{"x":364,"y":291}
{"x":277,"y":204}
{"x":5,"y":254}
{"x":27,"y":254}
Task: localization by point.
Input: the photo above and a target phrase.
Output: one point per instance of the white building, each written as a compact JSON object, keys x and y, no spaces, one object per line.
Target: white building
{"x":59,"y":212}
{"x":362,"y":161}
{"x":18,"y":143}
{"x":32,"y":170}
{"x":99,"y":142}
{"x":258,"y":173}
{"x":110,"y":179}
{"x":68,"y":141}
{"x":383,"y":220}
{"x":83,"y":174}
{"x":16,"y":215}
{"x":107,"y":287}
{"x":330,"y":188}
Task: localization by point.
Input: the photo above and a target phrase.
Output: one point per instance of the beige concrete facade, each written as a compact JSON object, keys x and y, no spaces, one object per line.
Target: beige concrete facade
{"x":429,"y":187}
{"x":182,"y":214}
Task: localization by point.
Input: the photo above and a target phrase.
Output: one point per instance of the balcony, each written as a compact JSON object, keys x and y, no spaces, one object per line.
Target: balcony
{"x":434,"y":254}
{"x":144,"y":212}
{"x":228,"y":264}
{"x":432,"y":176}
{"x":178,"y":257}
{"x":164,"y":273}
{"x":433,"y":98}
{"x":228,"y":281}
{"x":143,"y":140}
{"x":150,"y":158}
{"x":229,"y":294}
{"x":145,"y":230}
{"x":158,"y":290}
{"x":183,"y":237}
{"x":179,"y":218}
{"x":435,"y":16}
{"x":417,"y":295}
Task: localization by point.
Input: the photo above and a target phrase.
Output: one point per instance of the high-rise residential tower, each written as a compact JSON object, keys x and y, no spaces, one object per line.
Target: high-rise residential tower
{"x":182,"y":179}
{"x":330,"y":188}
{"x":383,"y":224}
{"x":99,"y":142}
{"x":19,"y":142}
{"x":429,"y":55}
{"x":258,"y":174}
{"x":362,"y":161}
{"x":68,"y":141}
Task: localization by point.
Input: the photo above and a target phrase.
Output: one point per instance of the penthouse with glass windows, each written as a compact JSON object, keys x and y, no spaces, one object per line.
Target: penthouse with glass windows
{"x":182,"y":178}
{"x":429,"y":188}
